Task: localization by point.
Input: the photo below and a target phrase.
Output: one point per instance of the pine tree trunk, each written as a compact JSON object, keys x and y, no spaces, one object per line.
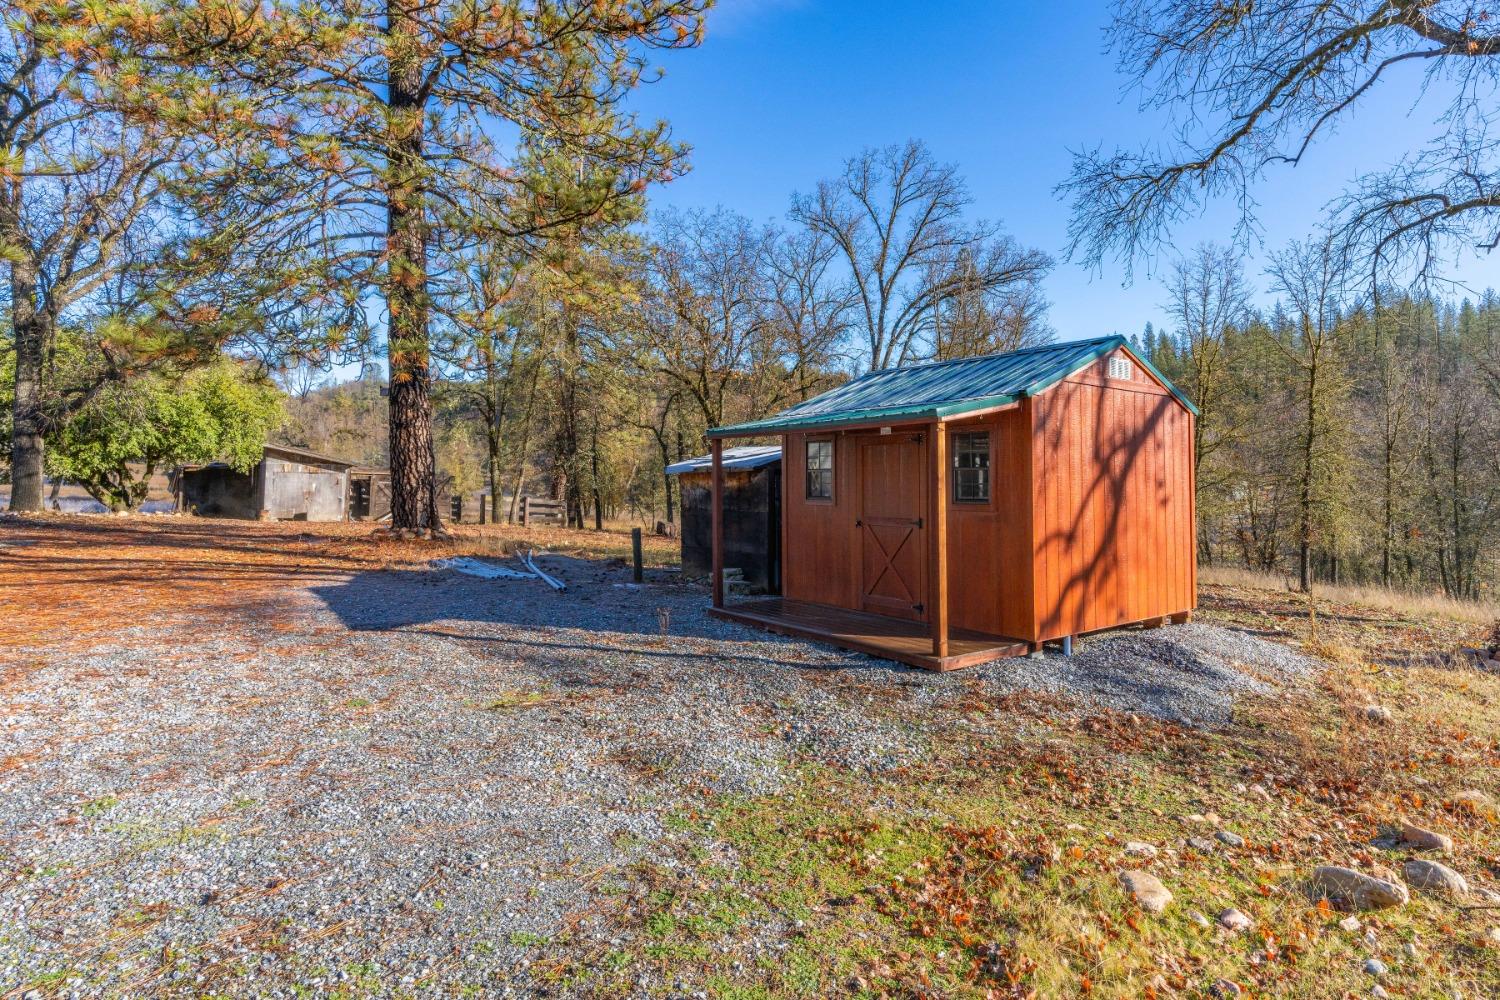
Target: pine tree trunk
{"x":413,"y":472}
{"x":28,"y":433}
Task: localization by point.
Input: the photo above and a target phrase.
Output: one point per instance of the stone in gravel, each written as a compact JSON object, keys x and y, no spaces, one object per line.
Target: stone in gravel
{"x":1351,"y":924}
{"x":1230,"y":837}
{"x":1224,"y":989}
{"x":1434,"y":876}
{"x":1425,"y":840}
{"x":1375,"y":967}
{"x":1234,"y":920}
{"x":1201,"y":844}
{"x":1378,"y":713}
{"x":1200,"y":919}
{"x":1147,"y":889}
{"x":1363,"y":892}
{"x":1138,"y":849}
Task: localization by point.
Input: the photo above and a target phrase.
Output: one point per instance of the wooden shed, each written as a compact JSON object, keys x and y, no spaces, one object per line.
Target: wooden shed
{"x":751,"y":511}
{"x":287,"y":484}
{"x":951,"y":513}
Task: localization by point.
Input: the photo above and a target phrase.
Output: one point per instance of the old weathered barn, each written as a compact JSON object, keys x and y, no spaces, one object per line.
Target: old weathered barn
{"x":287,"y":484}
{"x":752,"y":514}
{"x":950,"y":513}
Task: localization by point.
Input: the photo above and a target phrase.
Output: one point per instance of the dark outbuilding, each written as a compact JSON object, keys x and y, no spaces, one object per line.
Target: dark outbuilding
{"x":287,"y":484}
{"x":752,"y":514}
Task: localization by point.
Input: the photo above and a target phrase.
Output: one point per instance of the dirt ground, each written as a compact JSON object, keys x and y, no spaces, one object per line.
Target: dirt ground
{"x":241,"y":759}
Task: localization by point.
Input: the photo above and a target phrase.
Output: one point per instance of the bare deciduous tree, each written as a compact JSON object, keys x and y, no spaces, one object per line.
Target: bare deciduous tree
{"x":1208,"y":296}
{"x":1252,"y":86}
{"x":897,"y":217}
{"x":1308,"y":275}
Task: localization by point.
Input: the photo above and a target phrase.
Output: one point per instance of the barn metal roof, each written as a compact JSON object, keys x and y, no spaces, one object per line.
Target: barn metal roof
{"x":749,"y":456}
{"x":941,"y":389}
{"x":306,"y":455}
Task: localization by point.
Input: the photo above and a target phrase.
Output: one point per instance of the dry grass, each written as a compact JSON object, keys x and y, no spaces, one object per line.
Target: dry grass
{"x":1401,"y":601}
{"x":69,"y":580}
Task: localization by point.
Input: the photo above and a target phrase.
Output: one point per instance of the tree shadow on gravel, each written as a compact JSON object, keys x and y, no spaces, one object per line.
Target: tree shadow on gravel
{"x":600,"y":599}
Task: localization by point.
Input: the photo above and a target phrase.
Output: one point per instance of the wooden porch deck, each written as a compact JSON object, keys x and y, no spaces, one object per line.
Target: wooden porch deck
{"x":907,"y":642}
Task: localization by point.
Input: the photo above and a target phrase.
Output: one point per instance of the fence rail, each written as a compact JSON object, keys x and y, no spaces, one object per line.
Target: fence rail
{"x":534,"y":511}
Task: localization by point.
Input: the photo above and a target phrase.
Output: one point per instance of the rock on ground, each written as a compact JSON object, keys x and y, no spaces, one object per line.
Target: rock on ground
{"x":1147,"y":890}
{"x":1433,"y":876}
{"x":1364,"y":892}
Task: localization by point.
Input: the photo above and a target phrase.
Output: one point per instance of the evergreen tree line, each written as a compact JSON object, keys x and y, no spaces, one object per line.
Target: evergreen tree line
{"x":1339,"y":441}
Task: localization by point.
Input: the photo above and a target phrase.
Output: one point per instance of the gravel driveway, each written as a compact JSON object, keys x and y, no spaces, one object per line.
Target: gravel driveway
{"x":406,"y":779}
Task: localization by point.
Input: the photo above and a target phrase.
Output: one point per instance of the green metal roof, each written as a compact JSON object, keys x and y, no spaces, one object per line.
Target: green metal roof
{"x":941,"y":389}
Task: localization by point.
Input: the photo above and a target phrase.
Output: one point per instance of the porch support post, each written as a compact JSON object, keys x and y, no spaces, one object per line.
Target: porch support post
{"x":717,"y":505}
{"x":939,"y":576}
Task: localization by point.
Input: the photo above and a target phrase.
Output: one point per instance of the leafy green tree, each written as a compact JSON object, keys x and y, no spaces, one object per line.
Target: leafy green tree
{"x":113,"y":445}
{"x":105,"y":223}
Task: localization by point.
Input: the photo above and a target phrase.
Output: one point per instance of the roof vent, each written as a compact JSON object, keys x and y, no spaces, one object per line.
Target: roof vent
{"x":1120,"y":368}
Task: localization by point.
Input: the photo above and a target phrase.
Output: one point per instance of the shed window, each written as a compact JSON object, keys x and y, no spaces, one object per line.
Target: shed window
{"x":820,"y":470}
{"x":971,"y":467}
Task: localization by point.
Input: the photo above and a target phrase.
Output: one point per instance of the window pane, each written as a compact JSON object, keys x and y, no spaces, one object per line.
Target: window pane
{"x":820,"y":470}
{"x":971,"y":467}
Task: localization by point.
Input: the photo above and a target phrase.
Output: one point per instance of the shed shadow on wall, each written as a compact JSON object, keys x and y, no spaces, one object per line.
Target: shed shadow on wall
{"x":1105,"y":531}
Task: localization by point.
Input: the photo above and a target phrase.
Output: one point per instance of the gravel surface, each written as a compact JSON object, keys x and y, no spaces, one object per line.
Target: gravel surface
{"x":1183,"y":673}
{"x":410,"y":778}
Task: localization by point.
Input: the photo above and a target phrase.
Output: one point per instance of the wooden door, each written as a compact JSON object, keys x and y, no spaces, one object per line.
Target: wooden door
{"x":892,"y":540}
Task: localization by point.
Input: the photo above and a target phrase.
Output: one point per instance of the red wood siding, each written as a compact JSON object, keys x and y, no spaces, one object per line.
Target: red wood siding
{"x":1089,"y":525}
{"x":1112,"y":504}
{"x":819,"y":560}
{"x":989,"y":545}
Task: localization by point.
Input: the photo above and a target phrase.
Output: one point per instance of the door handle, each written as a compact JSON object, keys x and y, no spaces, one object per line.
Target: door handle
{"x":858,"y":523}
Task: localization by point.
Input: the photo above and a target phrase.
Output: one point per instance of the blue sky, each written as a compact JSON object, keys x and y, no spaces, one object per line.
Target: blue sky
{"x":783,"y":91}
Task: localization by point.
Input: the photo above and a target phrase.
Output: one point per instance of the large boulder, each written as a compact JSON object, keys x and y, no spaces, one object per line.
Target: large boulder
{"x":1361,"y":891}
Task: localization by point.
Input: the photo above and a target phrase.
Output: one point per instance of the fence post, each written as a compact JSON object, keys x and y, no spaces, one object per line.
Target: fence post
{"x":635,"y":551}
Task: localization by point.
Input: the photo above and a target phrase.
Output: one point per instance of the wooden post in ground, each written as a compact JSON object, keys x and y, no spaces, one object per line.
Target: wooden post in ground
{"x":938,"y":588}
{"x":717,"y":506}
{"x":635,"y":552}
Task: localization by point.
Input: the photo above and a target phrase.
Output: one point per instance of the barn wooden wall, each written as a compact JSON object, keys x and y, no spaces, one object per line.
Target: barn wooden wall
{"x":1112,"y":504}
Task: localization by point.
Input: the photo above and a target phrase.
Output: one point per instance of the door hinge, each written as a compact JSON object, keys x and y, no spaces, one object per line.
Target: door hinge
{"x":919,"y":522}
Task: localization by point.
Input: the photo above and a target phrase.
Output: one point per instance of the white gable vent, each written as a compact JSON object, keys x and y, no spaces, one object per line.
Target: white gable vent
{"x":1120,"y":368}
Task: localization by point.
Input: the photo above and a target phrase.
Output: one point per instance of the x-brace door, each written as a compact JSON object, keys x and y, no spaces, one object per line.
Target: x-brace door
{"x":892,"y":536}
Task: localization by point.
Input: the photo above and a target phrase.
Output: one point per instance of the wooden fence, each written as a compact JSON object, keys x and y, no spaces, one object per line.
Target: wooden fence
{"x":534,"y":511}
